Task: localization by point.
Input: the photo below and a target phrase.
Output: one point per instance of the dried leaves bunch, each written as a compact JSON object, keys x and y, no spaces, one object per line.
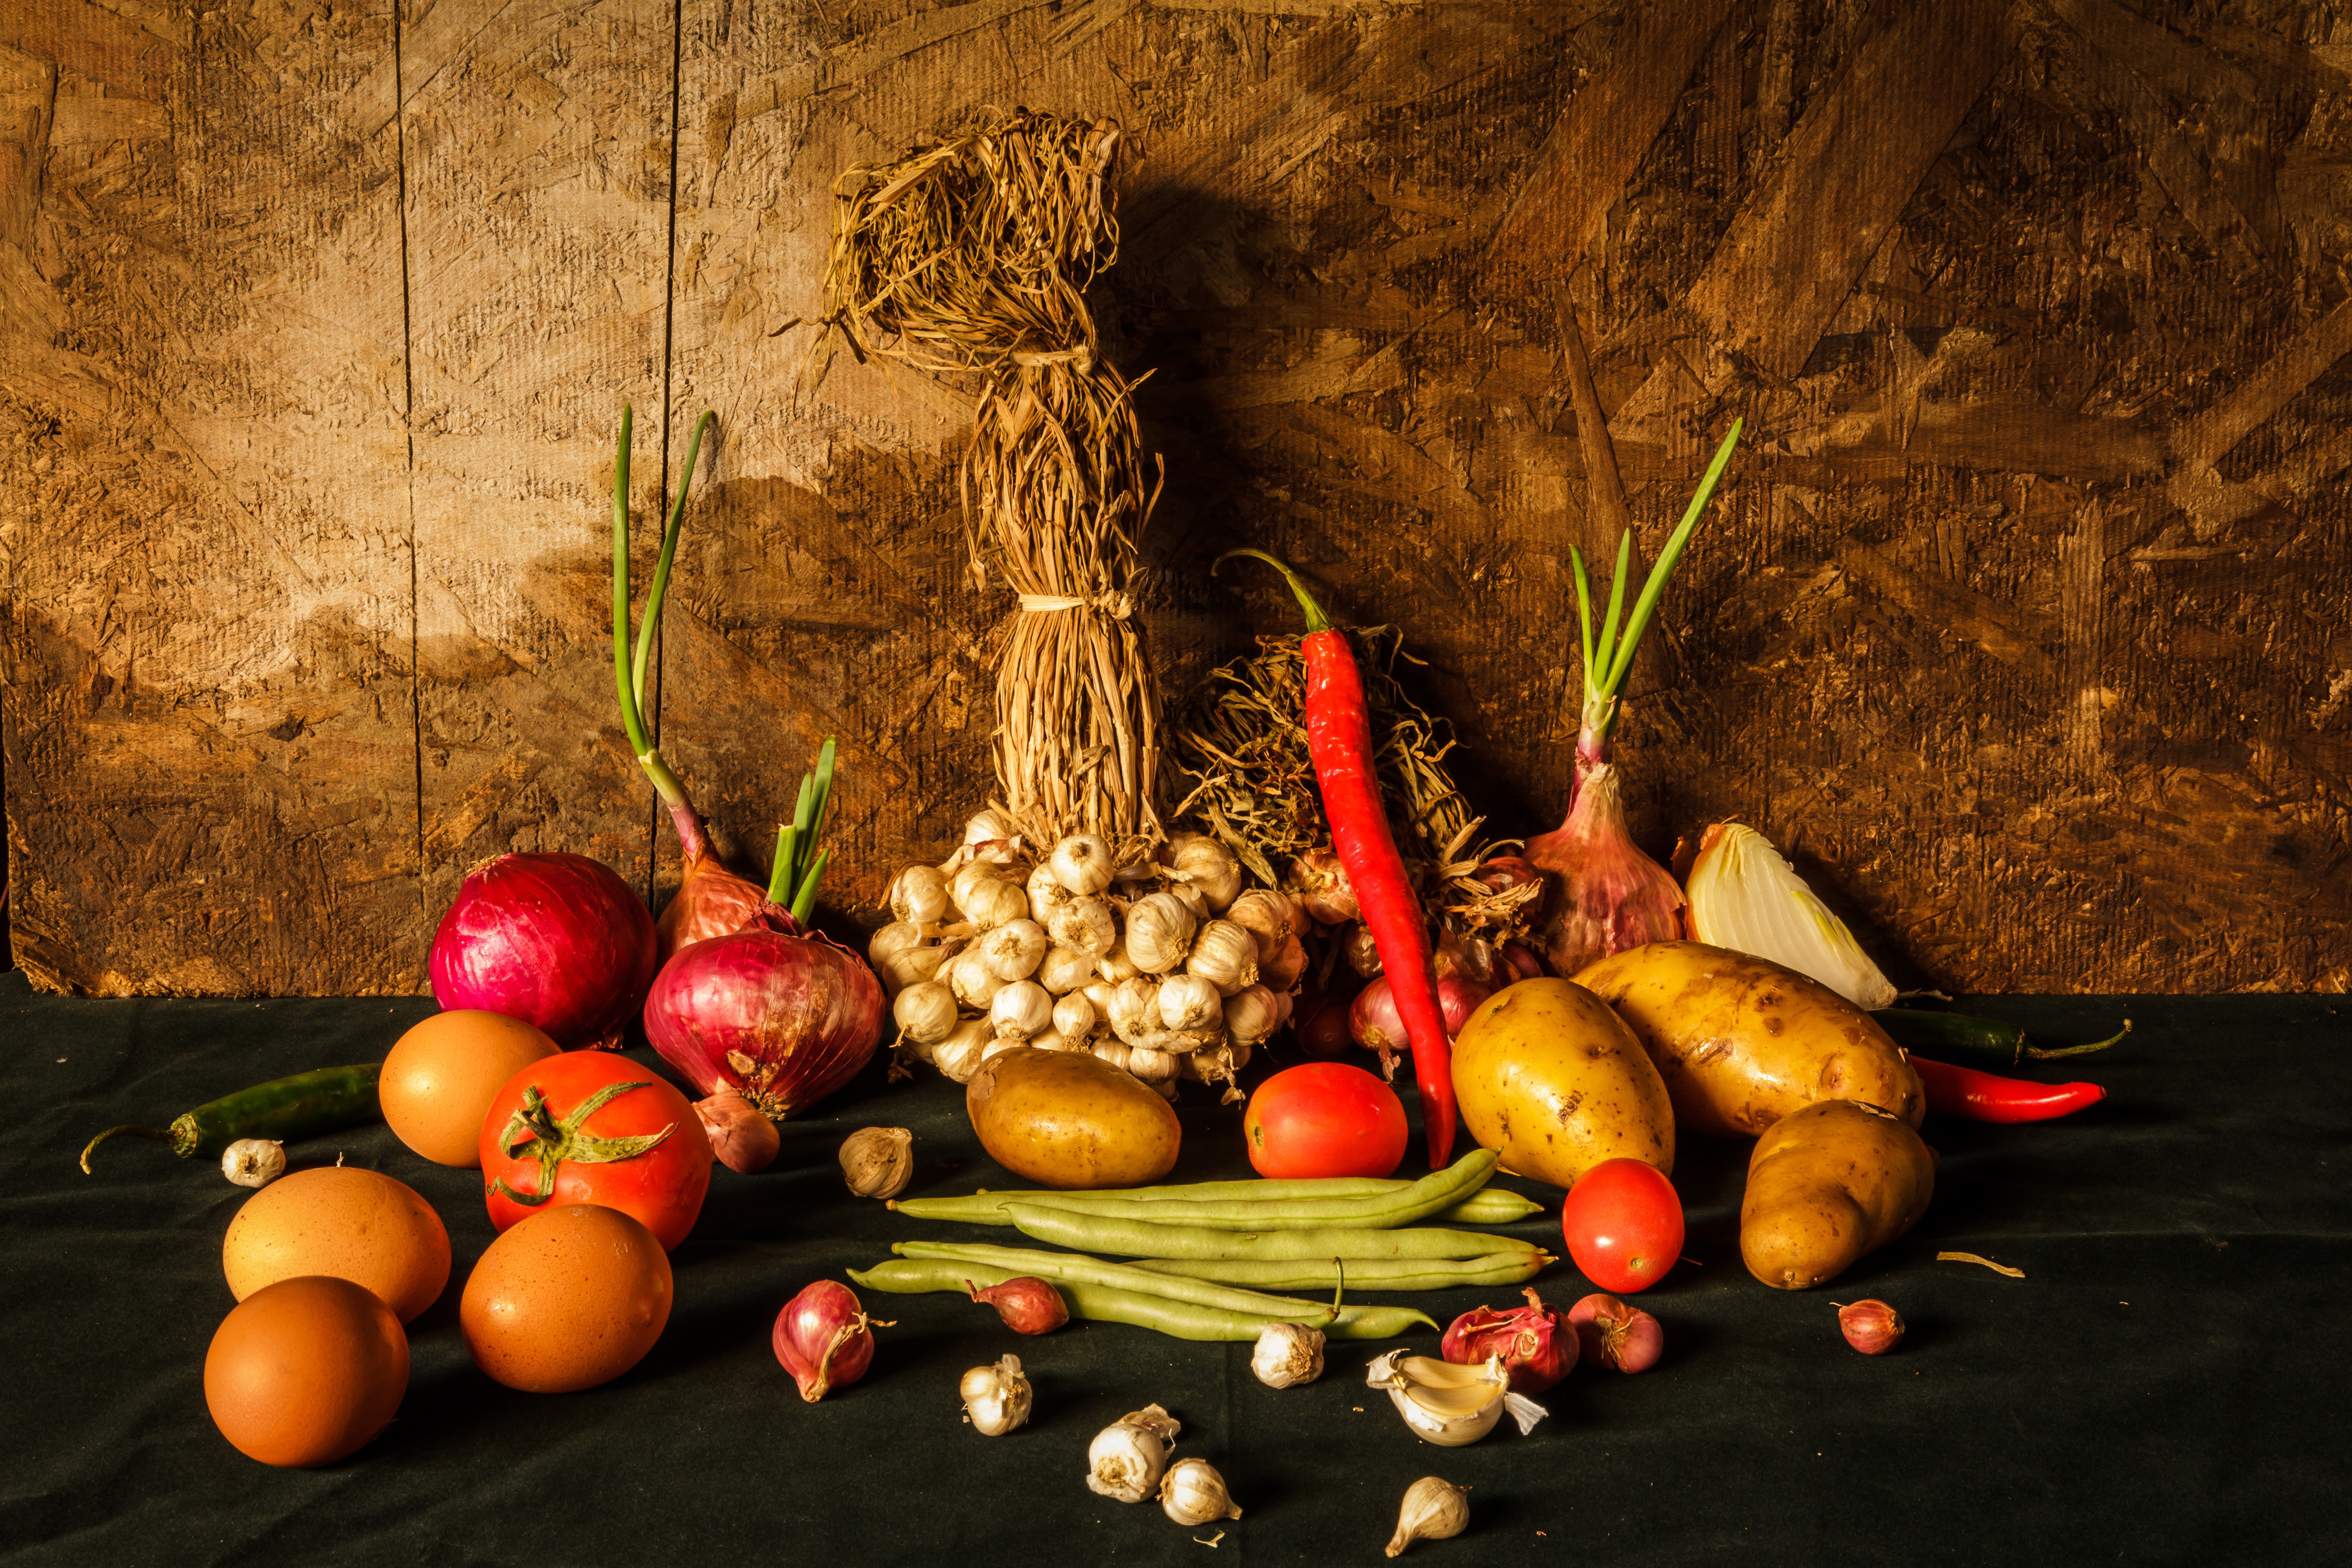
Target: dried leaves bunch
{"x":973,"y":256}
{"x":1243,"y":745}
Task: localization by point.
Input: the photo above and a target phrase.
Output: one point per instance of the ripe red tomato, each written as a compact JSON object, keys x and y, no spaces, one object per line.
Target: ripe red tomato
{"x":1325,"y":1118}
{"x":1623,"y":1224}
{"x":593,"y":1127}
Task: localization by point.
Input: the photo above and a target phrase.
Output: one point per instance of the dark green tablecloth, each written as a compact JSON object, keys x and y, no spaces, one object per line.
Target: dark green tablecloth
{"x":2163,"y":1385}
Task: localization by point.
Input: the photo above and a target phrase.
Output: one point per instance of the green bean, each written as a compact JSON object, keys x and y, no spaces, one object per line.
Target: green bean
{"x":1080,"y":1269}
{"x":1487,"y":1205}
{"x":1360,"y":1274}
{"x":1379,"y":1211}
{"x":1106,"y":1304}
{"x":1142,"y":1239}
{"x":1491,"y":1205}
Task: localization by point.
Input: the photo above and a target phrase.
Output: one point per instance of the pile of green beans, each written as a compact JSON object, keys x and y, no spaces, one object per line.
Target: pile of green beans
{"x":1360,"y":1274}
{"x":1487,"y":1205}
{"x":1142,"y":1239}
{"x":1165,"y":1314}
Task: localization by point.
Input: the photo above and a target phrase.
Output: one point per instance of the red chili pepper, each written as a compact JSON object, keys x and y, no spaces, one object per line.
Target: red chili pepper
{"x":1339,"y":738}
{"x":1985,"y":1097}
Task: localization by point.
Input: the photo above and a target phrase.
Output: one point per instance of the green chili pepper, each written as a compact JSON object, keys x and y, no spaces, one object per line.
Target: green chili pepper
{"x":284,"y":1109}
{"x":1985,"y":1040}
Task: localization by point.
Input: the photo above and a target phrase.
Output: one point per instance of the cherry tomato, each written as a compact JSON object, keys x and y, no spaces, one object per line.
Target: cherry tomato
{"x":593,"y":1127}
{"x":1623,"y":1224}
{"x":1324,"y":1118}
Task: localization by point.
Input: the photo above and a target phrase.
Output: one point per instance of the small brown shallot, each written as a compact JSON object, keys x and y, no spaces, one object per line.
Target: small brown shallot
{"x":878,"y":1162}
{"x":742,"y":1139}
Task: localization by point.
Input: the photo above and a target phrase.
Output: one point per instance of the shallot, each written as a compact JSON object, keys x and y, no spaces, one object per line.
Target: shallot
{"x":1872,"y":1327}
{"x":1374,"y":1023}
{"x":742,"y":1138}
{"x":1536,"y":1342}
{"x":1028,"y":1305}
{"x":1614,"y":1334}
{"x":824,"y":1339}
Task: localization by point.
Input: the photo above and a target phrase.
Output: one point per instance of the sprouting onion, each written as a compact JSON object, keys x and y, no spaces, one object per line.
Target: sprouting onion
{"x":800,"y":864}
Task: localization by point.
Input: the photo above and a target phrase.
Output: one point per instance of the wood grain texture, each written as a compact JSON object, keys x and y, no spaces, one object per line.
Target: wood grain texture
{"x":2021,"y":622}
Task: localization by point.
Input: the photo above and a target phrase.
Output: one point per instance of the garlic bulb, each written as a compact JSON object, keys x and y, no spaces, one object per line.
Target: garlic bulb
{"x":1434,"y":1510}
{"x":925,"y":1012}
{"x":1046,"y":894}
{"x":1267,"y":915}
{"x":1020,"y":1010}
{"x":1014,"y":949}
{"x":1189,"y":1002}
{"x":1288,"y":1354}
{"x":878,"y":1162}
{"x":1115,"y":965}
{"x":1159,"y":932}
{"x":1225,"y":955}
{"x":1063,"y":969}
{"x":1151,"y":1066}
{"x":1195,"y":901}
{"x":986,"y":827}
{"x":1052,"y":1040}
{"x":1134,"y":1009}
{"x":1284,"y":970}
{"x":975,"y":984}
{"x":1082,"y":863}
{"x":994,"y":902}
{"x":1084,"y":923}
{"x":1125,"y":1459}
{"x":1098,"y":992}
{"x":1252,"y":1013}
{"x":1203,"y":863}
{"x":996,"y":1398}
{"x":958,"y":1055}
{"x":1191,"y":1493}
{"x":1116,"y":1052}
{"x":919,"y":896}
{"x":1000,"y":1044}
{"x":897,"y":937}
{"x":1073,"y":1016}
{"x":1448,"y":1404}
{"x":968,"y":881}
{"x":911,"y":967}
{"x":254,"y":1162}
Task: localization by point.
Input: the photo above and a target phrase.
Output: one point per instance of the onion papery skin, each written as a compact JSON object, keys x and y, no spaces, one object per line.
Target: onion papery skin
{"x":782,"y":1017}
{"x":711,"y":901}
{"x":1605,"y":895}
{"x":557,"y":940}
{"x":1537,"y":1343}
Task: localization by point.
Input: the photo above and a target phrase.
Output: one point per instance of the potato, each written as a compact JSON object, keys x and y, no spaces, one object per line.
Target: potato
{"x":1069,"y":1119}
{"x":1827,"y":1184}
{"x":1554,"y":1082}
{"x":1743,"y":1042}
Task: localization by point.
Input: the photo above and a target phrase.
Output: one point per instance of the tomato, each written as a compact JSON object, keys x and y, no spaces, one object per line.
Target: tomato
{"x":1623,"y":1224}
{"x":593,"y":1127}
{"x":1324,"y":1120}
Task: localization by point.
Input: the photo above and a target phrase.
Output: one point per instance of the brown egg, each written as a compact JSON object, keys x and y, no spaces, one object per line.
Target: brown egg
{"x":567,"y":1299}
{"x":306,"y":1371}
{"x":443,"y":1074}
{"x":360,"y":1225}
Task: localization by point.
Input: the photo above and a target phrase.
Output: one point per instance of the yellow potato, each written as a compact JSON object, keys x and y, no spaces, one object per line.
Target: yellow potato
{"x":1827,"y":1184}
{"x":1743,"y":1042}
{"x":1554,"y":1082}
{"x":1069,"y":1119}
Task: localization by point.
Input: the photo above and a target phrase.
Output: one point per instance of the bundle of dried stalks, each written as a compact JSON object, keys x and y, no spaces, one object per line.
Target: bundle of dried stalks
{"x":1242,"y":743}
{"x":973,"y":256}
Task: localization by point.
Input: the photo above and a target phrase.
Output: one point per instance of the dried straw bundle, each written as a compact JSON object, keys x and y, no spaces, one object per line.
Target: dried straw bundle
{"x":973,"y":256}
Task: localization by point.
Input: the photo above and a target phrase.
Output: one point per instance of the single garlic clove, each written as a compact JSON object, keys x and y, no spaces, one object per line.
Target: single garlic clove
{"x":254,"y":1162}
{"x":996,"y":1399}
{"x":1288,"y":1354}
{"x":1125,"y":1460}
{"x":878,"y":1162}
{"x":1433,"y":1509}
{"x":1451,"y":1405}
{"x":1191,"y":1493}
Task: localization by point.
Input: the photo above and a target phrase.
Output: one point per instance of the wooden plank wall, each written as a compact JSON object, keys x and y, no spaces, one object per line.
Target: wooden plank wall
{"x":2024,"y":620}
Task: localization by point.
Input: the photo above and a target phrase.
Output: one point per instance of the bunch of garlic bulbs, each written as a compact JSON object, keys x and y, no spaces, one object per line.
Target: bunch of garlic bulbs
{"x":1170,"y":969}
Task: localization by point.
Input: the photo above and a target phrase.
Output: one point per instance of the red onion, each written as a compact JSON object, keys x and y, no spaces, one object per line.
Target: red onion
{"x":1515,"y":963}
{"x":783,"y":1017}
{"x":711,"y":901}
{"x":1323,"y":888}
{"x":1374,"y":1023}
{"x":1606,"y":895}
{"x":557,"y":940}
{"x":1028,"y":1305}
{"x":740,"y":1138}
{"x":1323,"y":1026}
{"x":1457,"y":998}
{"x":824,"y":1339}
{"x":1872,"y":1327}
{"x":1614,"y":1334}
{"x":1536,"y":1342}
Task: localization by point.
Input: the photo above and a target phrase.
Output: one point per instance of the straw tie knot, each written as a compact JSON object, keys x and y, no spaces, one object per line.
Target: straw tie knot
{"x":1116,"y":605}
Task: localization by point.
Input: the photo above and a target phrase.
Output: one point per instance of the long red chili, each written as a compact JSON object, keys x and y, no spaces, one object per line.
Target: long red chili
{"x":1339,"y":738}
{"x":1987,"y":1097}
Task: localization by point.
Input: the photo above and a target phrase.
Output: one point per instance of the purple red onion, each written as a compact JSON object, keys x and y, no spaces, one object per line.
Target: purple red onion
{"x":1537,"y":1343}
{"x":1614,"y":1334}
{"x":1872,"y":1327}
{"x":557,"y":940}
{"x":780,"y":1015}
{"x":1606,"y":896}
{"x":824,"y":1339}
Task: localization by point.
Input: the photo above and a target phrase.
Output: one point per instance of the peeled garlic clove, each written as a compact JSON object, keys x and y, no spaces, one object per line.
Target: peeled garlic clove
{"x":1124,"y":1461}
{"x":1191,"y":1493}
{"x":1434,"y":1510}
{"x":254,"y":1162}
{"x":1288,"y":1354}
{"x":925,"y":1012}
{"x":1451,"y":1405}
{"x":996,"y":1399}
{"x":1020,"y":1010}
{"x":878,"y":1162}
{"x":1082,"y":863}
